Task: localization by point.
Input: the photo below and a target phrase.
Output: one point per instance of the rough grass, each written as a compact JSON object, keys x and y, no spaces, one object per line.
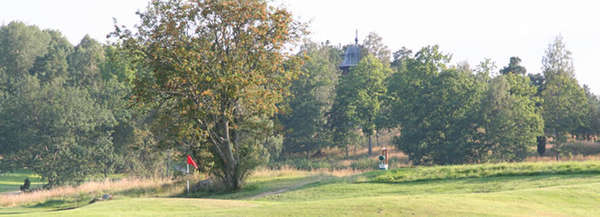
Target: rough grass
{"x":69,"y":196}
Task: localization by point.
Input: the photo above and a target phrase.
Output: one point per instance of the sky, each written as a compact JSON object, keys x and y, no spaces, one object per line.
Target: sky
{"x":471,"y":30}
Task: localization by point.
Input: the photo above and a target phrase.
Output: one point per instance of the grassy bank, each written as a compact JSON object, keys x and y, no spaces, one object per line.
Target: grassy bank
{"x":487,"y":170}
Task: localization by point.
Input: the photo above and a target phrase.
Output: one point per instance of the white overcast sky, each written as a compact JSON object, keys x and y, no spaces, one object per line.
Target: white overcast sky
{"x":469,"y":29}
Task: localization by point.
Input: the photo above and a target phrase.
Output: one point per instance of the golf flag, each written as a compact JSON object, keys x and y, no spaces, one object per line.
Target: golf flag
{"x":190,"y":161}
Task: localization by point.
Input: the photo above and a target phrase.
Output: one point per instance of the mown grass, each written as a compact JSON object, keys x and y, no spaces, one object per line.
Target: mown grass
{"x":424,"y":173}
{"x":575,"y":199}
{"x":10,"y":182}
{"x":522,"y":189}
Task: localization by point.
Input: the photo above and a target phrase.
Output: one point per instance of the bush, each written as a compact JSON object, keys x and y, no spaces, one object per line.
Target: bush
{"x":364,"y":164}
{"x":306,"y":164}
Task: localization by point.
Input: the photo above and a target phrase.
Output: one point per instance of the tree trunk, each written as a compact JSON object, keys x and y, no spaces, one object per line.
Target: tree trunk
{"x":347,"y":154}
{"x":370,"y":145}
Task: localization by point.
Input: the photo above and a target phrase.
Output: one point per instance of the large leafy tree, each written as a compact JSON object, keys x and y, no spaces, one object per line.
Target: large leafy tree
{"x":58,"y":132}
{"x":311,"y":98}
{"x":436,"y":108}
{"x":565,"y":102}
{"x":358,"y":97}
{"x":55,"y":63}
{"x":565,"y":106}
{"x":86,"y":62}
{"x":222,"y":67}
{"x":20,"y":45}
{"x":511,"y":120}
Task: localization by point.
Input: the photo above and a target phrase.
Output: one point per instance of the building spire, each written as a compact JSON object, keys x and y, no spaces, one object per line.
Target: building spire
{"x":356,"y":38}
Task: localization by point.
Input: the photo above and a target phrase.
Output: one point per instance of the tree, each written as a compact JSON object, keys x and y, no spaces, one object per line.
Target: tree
{"x":514,"y":67}
{"x":311,"y":98}
{"x":538,"y":81}
{"x":541,"y":145}
{"x":557,"y":60}
{"x":511,"y":120}
{"x":374,"y":45}
{"x":436,"y":109}
{"x":564,"y":108}
{"x":20,"y":45}
{"x":86,"y":62}
{"x":54,"y":63}
{"x":221,"y":66}
{"x":58,"y":132}
{"x":565,"y":101}
{"x":358,"y":96}
{"x":591,"y":121}
{"x":441,"y":127}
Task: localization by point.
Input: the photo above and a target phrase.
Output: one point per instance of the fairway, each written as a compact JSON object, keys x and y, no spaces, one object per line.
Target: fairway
{"x":307,"y":194}
{"x":10,"y":182}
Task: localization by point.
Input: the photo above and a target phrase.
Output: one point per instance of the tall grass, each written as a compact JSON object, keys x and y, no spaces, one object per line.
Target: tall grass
{"x":487,"y":170}
{"x":92,"y":188}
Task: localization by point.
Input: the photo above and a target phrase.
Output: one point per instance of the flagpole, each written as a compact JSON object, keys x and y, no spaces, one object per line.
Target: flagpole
{"x":188,"y":179}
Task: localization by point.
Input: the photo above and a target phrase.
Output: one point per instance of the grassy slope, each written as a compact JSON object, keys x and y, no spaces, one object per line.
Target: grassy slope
{"x":532,"y":195}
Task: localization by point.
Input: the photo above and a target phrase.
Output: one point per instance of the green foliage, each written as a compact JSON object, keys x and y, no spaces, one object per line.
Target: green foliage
{"x":306,"y":164}
{"x":437,"y":110}
{"x":374,"y":45}
{"x":85,"y":63}
{"x":312,"y":95}
{"x":221,"y":69}
{"x":20,"y":45}
{"x":55,"y":63}
{"x":564,"y":105}
{"x":358,"y":99}
{"x":557,"y":60}
{"x":510,"y":118}
{"x":541,"y":145}
{"x":62,"y":119}
{"x":365,"y":164}
{"x":56,"y":131}
{"x":514,"y":67}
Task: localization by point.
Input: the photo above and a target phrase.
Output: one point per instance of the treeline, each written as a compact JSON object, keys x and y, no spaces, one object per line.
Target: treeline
{"x":445,"y":114}
{"x":65,"y":111}
{"x":187,"y":82}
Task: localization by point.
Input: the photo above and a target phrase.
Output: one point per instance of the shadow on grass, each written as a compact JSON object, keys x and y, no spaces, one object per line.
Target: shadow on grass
{"x":255,"y":189}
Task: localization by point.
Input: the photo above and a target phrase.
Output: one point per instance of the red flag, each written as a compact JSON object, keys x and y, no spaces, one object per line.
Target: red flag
{"x":190,"y":161}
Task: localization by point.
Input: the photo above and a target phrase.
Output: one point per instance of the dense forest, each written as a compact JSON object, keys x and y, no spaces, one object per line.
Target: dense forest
{"x":190,"y":80}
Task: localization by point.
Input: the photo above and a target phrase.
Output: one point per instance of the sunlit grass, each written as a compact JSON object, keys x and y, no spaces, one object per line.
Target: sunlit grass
{"x":424,"y":173}
{"x":10,"y":182}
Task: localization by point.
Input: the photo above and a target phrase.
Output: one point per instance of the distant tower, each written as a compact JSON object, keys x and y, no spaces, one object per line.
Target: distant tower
{"x":351,"y":56}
